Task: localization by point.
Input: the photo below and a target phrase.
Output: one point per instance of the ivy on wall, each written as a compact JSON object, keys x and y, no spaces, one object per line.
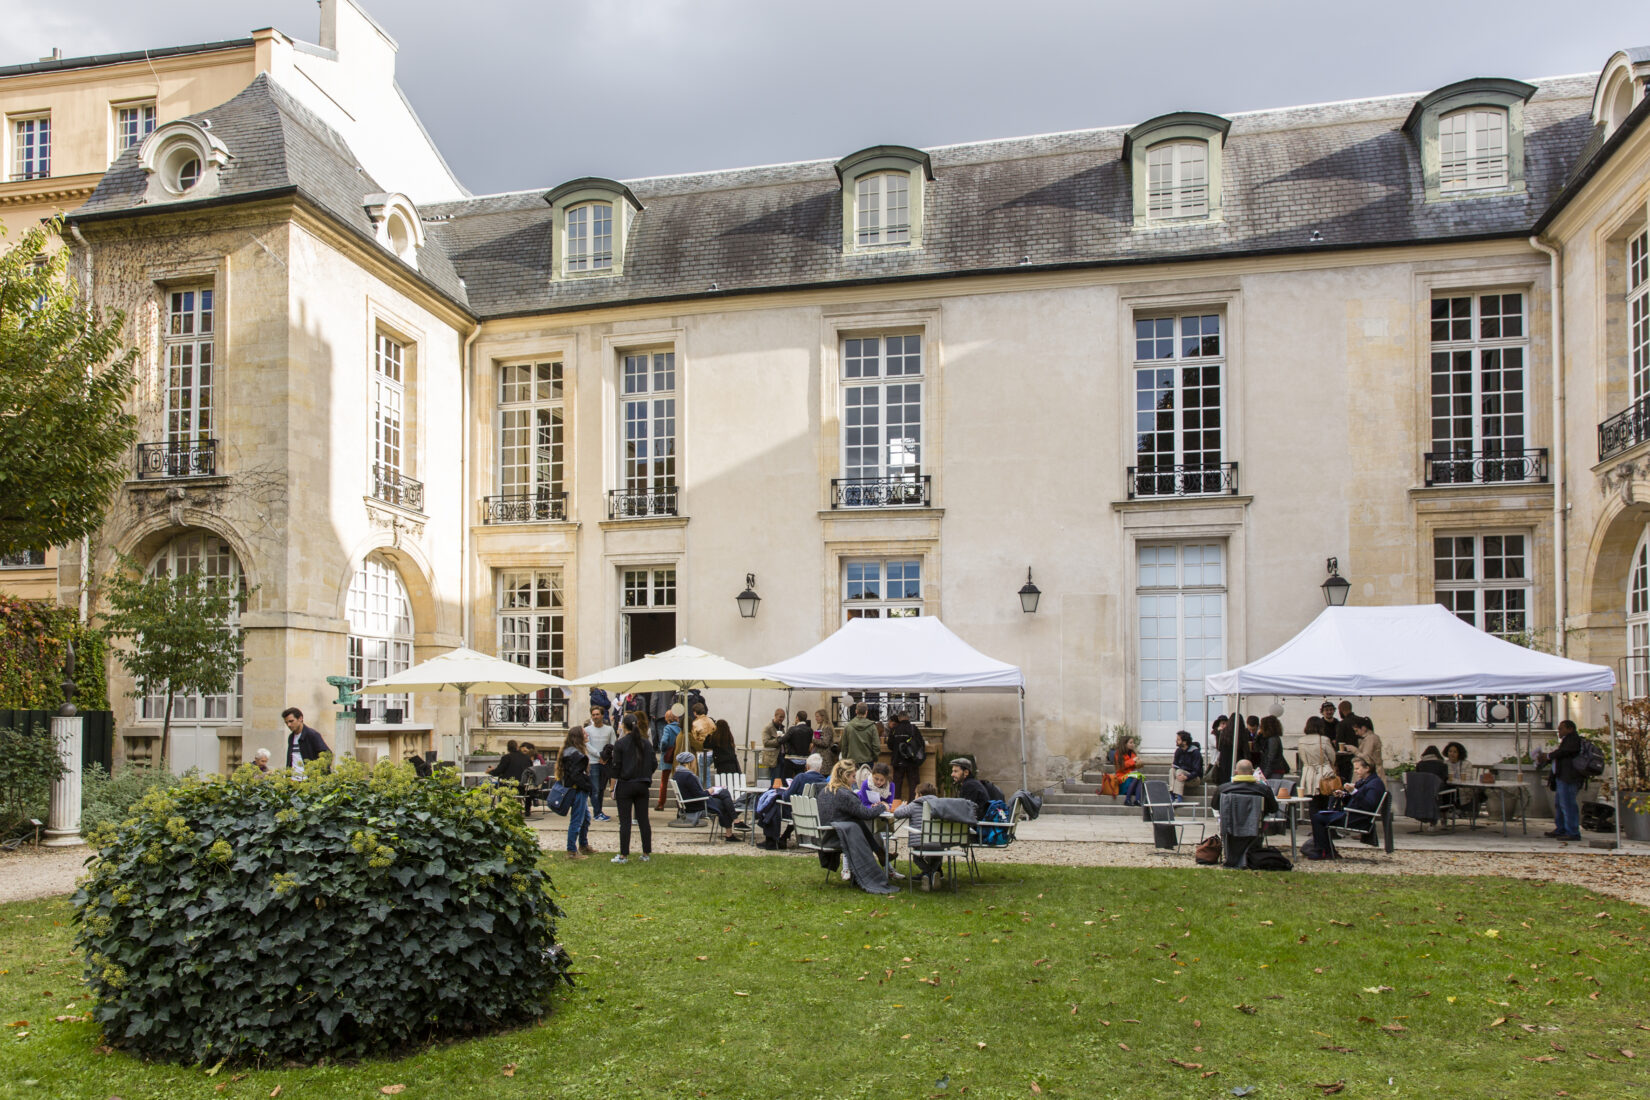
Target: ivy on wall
{"x":33,"y":644}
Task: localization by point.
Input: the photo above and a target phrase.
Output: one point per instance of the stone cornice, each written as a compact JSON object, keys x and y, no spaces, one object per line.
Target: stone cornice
{"x":52,"y":189}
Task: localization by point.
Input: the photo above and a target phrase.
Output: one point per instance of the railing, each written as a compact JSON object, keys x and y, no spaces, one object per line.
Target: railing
{"x":1625,"y":430}
{"x":1190,"y":480}
{"x":523,"y":710}
{"x":880,"y":707}
{"x":1490,"y":711}
{"x":524,"y":508}
{"x":639,"y":503}
{"x":1486,"y":467}
{"x":160,"y":460}
{"x":914,"y":491}
{"x":393,"y":487}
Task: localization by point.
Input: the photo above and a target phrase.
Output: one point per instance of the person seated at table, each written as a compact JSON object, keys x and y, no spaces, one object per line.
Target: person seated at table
{"x":1432,"y":762}
{"x":911,"y":813}
{"x":877,"y":789}
{"x":814,"y":776}
{"x":724,"y":754}
{"x":717,"y":800}
{"x":1188,"y":764}
{"x":1364,"y":795}
{"x":511,"y":765}
{"x":837,"y":802}
{"x":969,"y":786}
{"x":1268,"y":749}
{"x":1246,"y":784}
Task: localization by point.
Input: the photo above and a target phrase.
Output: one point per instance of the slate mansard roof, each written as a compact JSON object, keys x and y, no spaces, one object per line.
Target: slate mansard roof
{"x":1345,"y":172}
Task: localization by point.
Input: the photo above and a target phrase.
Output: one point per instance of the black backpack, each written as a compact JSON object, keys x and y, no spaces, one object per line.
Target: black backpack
{"x":909,"y":748}
{"x":1589,"y":762}
{"x":1261,"y":858}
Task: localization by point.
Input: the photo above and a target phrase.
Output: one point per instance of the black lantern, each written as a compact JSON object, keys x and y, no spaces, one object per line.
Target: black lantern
{"x":1029,"y":594}
{"x":748,"y":599}
{"x":1335,"y":589}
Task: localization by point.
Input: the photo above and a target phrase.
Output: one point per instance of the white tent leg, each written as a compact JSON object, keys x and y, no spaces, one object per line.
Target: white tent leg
{"x":1615,"y":764}
{"x":1025,"y":773}
{"x":748,"y":768}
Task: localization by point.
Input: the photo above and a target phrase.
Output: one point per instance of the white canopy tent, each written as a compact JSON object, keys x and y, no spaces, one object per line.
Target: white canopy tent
{"x":1408,"y":650}
{"x":902,"y":655}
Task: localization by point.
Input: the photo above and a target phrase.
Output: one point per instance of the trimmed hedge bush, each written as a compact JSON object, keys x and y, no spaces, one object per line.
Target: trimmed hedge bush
{"x":263,"y":917}
{"x":107,"y":800}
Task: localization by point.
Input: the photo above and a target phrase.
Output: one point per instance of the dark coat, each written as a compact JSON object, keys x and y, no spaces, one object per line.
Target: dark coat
{"x":799,"y":740}
{"x":1189,"y":760}
{"x":575,"y":769}
{"x":973,"y":790}
{"x":1268,"y":756}
{"x":688,"y":784}
{"x":1366,"y":796}
{"x":1563,"y":759}
{"x":804,"y":781}
{"x":510,"y":766}
{"x":310,"y":744}
{"x":634,"y":758}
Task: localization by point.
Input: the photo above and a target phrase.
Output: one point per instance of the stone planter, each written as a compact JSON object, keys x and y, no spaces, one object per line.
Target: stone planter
{"x":1635,"y":824}
{"x":1535,"y":782}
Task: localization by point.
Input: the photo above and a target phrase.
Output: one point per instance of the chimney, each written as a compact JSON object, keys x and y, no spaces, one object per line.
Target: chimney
{"x":56,"y":54}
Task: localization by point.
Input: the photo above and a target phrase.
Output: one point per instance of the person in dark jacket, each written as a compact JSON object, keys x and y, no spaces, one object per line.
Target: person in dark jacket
{"x":718,"y":802}
{"x":1187,"y":765}
{"x":512,"y":765}
{"x":1566,"y":783}
{"x":906,"y":750}
{"x":633,"y":765}
{"x":838,"y":802}
{"x":1245,"y":784}
{"x":1432,"y":763}
{"x":573,"y":772}
{"x":303,"y":744}
{"x":1268,"y":749}
{"x":1365,"y":795}
{"x":969,"y":785}
{"x":1220,"y":735}
{"x":812,"y":777}
{"x":724,"y":754}
{"x":796,"y":744}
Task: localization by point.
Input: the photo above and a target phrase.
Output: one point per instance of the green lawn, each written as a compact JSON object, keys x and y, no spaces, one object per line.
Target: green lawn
{"x":748,"y":978}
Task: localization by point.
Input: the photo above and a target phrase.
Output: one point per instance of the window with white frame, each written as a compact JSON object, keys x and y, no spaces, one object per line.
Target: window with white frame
{"x":589,"y":237}
{"x":1472,"y":150}
{"x":530,"y":441}
{"x":199,"y":552}
{"x":1181,"y":634}
{"x":189,"y":368}
{"x":23,"y":559}
{"x":1638,"y":313}
{"x":530,"y":633}
{"x":649,"y":589}
{"x":1179,"y":397}
{"x":380,"y":632}
{"x":882,"y":208}
{"x":1484,"y":580}
{"x":31,"y":147}
{"x":1177,"y":180}
{"x":387,"y":401}
{"x":647,"y":412}
{"x":1479,"y":354}
{"x":882,"y":389}
{"x":133,"y":123}
{"x":1638,"y":621}
{"x":881,"y":588}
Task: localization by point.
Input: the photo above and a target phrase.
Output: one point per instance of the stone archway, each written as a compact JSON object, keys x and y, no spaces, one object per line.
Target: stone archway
{"x":1601,"y":610}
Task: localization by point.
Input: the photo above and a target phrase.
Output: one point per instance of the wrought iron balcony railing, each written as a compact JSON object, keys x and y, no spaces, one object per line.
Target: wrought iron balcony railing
{"x":524,"y":508}
{"x":394,"y":487}
{"x":1490,"y":711}
{"x":880,"y":707}
{"x":641,"y":503}
{"x":162,"y":460}
{"x":1625,"y":430}
{"x":1187,"y":480}
{"x":524,"y":710}
{"x":1486,"y":467}
{"x":910,"y":491}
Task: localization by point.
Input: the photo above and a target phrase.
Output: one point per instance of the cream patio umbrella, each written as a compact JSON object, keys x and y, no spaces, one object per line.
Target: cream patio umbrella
{"x":464,"y":671}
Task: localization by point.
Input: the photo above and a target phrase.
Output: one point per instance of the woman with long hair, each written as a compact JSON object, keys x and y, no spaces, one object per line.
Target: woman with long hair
{"x":824,"y":738}
{"x":573,"y":771}
{"x":1220,"y":735}
{"x":1268,"y":749}
{"x":633,"y":764}
{"x":724,"y":754}
{"x":1315,"y":755}
{"x":838,"y":802}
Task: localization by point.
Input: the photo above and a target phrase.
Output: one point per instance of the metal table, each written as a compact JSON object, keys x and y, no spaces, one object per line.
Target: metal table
{"x":1504,"y":789}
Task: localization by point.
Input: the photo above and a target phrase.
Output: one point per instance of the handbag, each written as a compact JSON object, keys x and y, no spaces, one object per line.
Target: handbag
{"x":1208,"y":851}
{"x":559,"y":798}
{"x":1108,"y":784}
{"x":1328,"y":785}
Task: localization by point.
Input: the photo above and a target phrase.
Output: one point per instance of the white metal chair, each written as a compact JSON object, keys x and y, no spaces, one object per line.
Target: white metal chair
{"x":1361,"y":823}
{"x":943,"y":840}
{"x":809,"y":833}
{"x":690,"y":813}
{"x":1160,"y":810}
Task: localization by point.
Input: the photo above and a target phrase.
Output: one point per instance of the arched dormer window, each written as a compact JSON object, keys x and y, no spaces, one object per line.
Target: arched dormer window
{"x":593,"y":219}
{"x":1621,"y":87}
{"x":1174,"y":162}
{"x":182,"y":160}
{"x":397,"y":225}
{"x":1471,"y":138}
{"x":882,"y":197}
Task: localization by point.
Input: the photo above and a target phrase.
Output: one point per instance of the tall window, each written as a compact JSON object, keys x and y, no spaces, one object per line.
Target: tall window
{"x":1638,"y":313}
{"x":188,"y":345}
{"x":388,"y":398}
{"x":1472,"y":150}
{"x":882,"y":588}
{"x":31,"y":145}
{"x":590,"y":237}
{"x":1182,"y":635}
{"x":1479,"y":344}
{"x":530,"y":440}
{"x":1177,"y":180}
{"x":1638,"y":621}
{"x":192,"y":552}
{"x":133,"y":123}
{"x":380,"y":632}
{"x":1483,"y":579}
{"x":882,"y":382}
{"x":883,"y":209}
{"x":1178,"y":396}
{"x":530,"y":634}
{"x":648,"y":410}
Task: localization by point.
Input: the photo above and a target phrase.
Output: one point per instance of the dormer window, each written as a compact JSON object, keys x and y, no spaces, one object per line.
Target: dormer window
{"x":1471,"y":138}
{"x":397,"y":226}
{"x":594,"y":219}
{"x":1174,"y":161}
{"x":182,"y":160}
{"x":882,"y":197}
{"x":1621,"y":87}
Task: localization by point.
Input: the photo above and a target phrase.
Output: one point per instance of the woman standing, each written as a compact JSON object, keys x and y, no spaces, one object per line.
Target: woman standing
{"x":633,"y":764}
{"x":1220,"y":734}
{"x":573,"y":771}
{"x":724,"y":754}
{"x":1315,"y":755}
{"x":1268,"y":749}
{"x":825,"y":738}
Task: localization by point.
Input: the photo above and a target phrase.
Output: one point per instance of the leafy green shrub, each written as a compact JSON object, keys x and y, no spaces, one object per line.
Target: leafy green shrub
{"x":263,"y":917}
{"x":108,"y":799}
{"x":28,"y":765}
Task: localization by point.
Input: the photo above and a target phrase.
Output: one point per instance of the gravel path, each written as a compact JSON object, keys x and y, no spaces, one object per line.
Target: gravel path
{"x":33,"y":872}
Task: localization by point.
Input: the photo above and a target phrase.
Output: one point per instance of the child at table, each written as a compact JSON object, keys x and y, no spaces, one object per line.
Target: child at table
{"x":911,"y":813}
{"x":876,"y":790}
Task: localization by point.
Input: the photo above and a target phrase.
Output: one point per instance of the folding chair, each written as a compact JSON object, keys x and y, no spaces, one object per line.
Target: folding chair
{"x":809,"y":835}
{"x":535,"y":781}
{"x":947,"y":841}
{"x":686,"y":817}
{"x":1361,"y":823}
{"x":1161,"y":810}
{"x":743,"y":797}
{"x":1425,"y":789}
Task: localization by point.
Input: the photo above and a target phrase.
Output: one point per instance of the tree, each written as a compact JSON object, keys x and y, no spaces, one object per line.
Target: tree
{"x":65,"y":434}
{"x":180,"y":633}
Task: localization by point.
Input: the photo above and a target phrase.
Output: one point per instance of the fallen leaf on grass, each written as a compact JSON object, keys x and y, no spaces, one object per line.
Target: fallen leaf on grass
{"x":740,"y":993}
{"x":1393,"y":1028}
{"x":1625,"y":1053}
{"x":509,"y":1070}
{"x":1331,"y":1088}
{"x":392,"y":1090}
{"x":979,"y":1046}
{"x":1338,"y":1050}
{"x":1342,"y":923}
{"x":1246,"y":1009}
{"x":1210,"y":1072}
{"x":1036,"y":1089}
{"x":1498,"y":1021}
{"x":1369,"y":1020}
{"x":1377,"y":989}
{"x":1593,"y":996}
{"x":1185,"y":1065}
{"x":1122,"y":1046}
{"x":274,"y":1092}
{"x":1542,"y":1058}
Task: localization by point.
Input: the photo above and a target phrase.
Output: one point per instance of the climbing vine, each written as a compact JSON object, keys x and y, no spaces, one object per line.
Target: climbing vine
{"x":33,"y":644}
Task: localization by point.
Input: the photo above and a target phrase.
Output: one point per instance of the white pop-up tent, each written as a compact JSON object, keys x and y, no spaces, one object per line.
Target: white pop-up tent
{"x":1408,"y":650}
{"x":901,"y":655}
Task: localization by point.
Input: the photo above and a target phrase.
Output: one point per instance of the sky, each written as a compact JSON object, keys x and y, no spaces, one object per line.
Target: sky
{"x":522,"y":94}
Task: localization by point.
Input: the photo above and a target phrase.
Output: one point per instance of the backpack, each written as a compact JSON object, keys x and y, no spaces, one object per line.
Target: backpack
{"x":1209,"y":852}
{"x":909,"y":749}
{"x":989,"y":837}
{"x":994,"y":792}
{"x":1589,"y":761}
{"x":1262,"y":858}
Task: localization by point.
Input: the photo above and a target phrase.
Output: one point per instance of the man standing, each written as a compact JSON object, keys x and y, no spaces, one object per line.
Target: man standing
{"x":1566,"y":782}
{"x":860,"y":741}
{"x":907,"y":749}
{"x":303,"y":744}
{"x":597,"y":735}
{"x":667,"y":731}
{"x":773,"y":738}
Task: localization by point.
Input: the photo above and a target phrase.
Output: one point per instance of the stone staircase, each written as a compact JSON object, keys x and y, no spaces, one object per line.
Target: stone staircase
{"x":1076,"y":797}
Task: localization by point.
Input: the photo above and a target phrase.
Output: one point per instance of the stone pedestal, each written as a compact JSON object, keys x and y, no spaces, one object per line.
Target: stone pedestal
{"x":343,"y":735}
{"x":63,"y":825}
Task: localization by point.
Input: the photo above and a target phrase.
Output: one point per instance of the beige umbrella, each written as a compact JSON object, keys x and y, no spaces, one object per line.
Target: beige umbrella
{"x":464,"y":671}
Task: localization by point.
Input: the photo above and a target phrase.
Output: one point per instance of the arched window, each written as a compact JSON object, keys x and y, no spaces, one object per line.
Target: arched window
{"x":380,"y":632}
{"x":883,"y":209}
{"x":200,"y":551}
{"x":1638,"y":620}
{"x":1472,"y":149}
{"x":590,"y":237}
{"x":1177,"y":180}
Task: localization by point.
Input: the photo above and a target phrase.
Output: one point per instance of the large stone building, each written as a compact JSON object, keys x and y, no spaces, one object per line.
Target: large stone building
{"x":1171,"y":369}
